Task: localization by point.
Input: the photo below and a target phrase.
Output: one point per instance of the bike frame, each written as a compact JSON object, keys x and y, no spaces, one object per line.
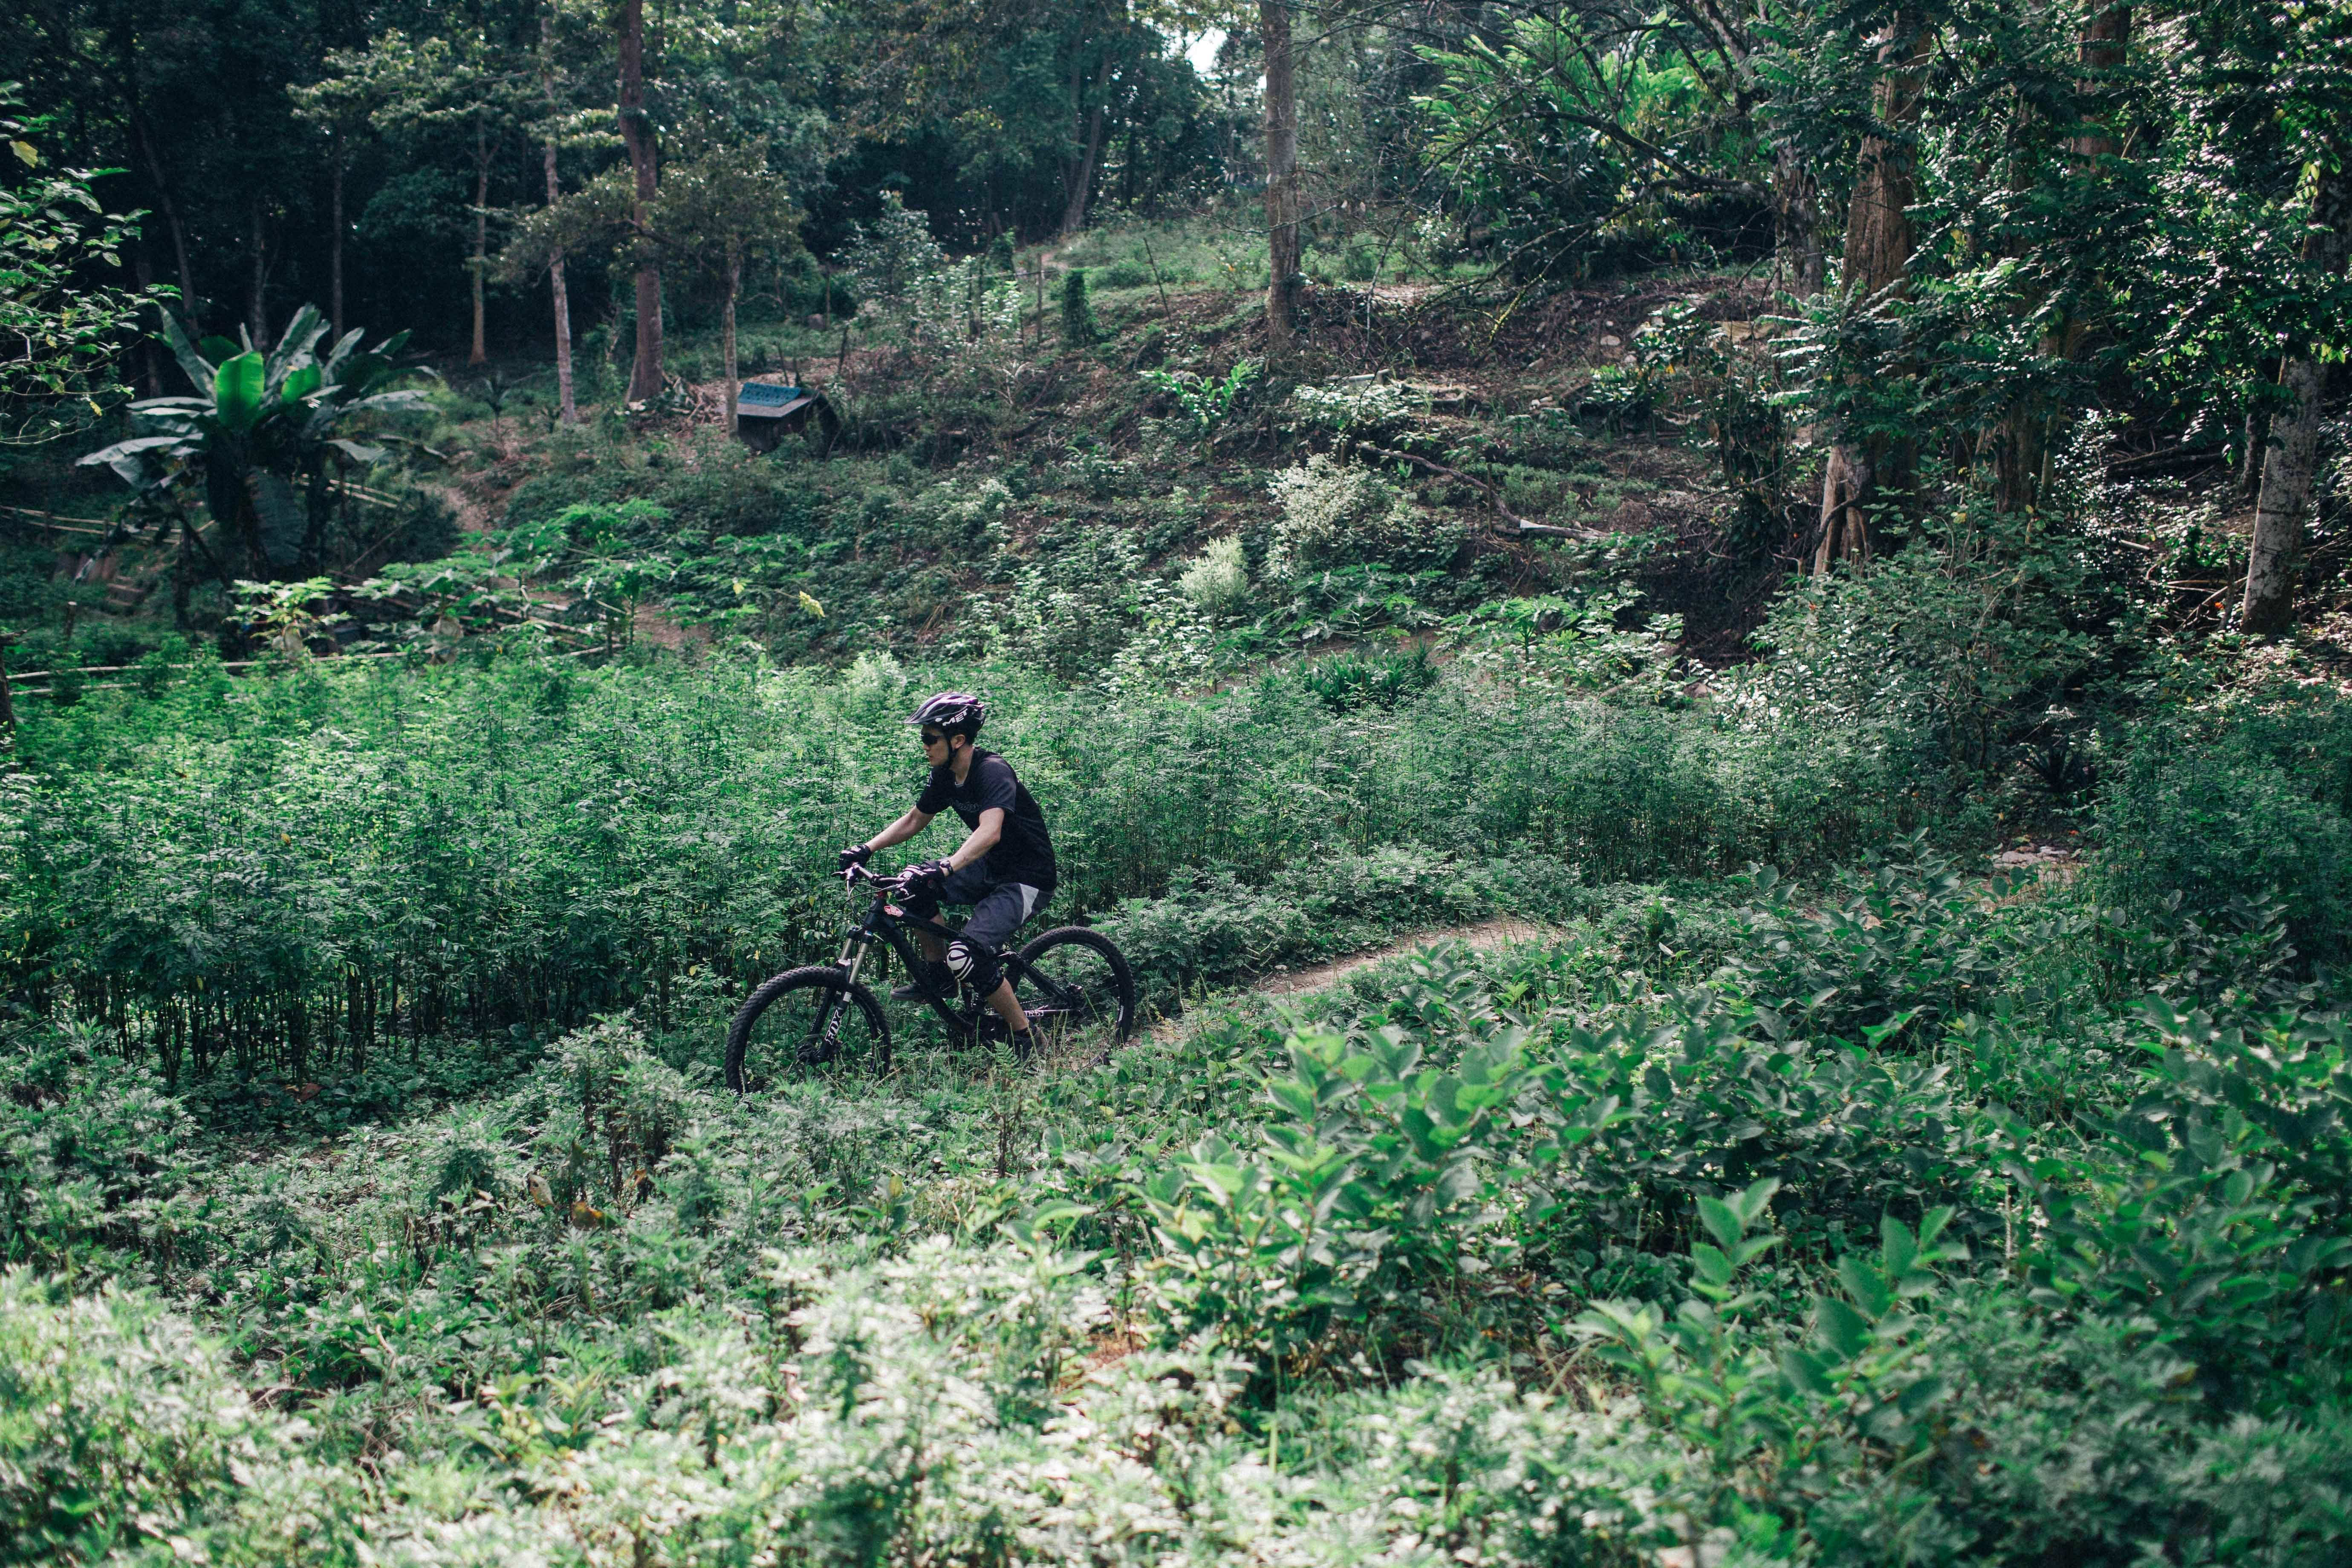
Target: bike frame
{"x":885,"y":922}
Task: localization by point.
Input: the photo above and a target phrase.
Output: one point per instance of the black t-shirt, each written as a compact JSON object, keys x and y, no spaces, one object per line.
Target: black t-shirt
{"x":1023,"y":853}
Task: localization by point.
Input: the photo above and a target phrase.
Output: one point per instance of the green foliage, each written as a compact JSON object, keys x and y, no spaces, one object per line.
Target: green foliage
{"x":2247,"y":798}
{"x":1986,"y":645}
{"x":1079,"y":328}
{"x":1335,"y":514}
{"x":1354,"y":680}
{"x":888,"y":255}
{"x":1218,"y":583}
{"x":261,"y":426}
{"x":1207,"y":401}
{"x":55,"y":236}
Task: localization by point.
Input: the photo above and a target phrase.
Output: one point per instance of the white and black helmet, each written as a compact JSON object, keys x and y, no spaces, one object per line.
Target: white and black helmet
{"x":952,"y":714}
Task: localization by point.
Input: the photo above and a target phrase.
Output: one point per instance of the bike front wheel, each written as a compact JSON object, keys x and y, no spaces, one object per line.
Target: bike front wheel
{"x":806,"y":1020}
{"x":1077,"y":991}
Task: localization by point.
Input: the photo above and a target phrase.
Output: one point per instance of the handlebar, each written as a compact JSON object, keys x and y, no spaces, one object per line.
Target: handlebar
{"x":882,"y":885}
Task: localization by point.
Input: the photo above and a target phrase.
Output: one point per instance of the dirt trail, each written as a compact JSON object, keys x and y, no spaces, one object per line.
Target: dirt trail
{"x":1483,"y":937}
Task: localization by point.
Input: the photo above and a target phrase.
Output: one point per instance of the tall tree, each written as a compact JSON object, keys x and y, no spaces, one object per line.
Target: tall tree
{"x":2274,"y":560}
{"x":716,"y":210}
{"x":2093,"y":141}
{"x":342,"y":106}
{"x":638,"y":133}
{"x":1878,"y":245}
{"x":1283,"y":206}
{"x":434,"y":85}
{"x":567,"y":406}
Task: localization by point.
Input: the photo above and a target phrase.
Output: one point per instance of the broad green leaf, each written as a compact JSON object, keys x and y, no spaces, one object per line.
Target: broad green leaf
{"x":237,"y":391}
{"x":1807,"y":1371}
{"x":199,"y":368}
{"x":1840,"y":1328}
{"x":1896,"y":1250}
{"x":1921,"y":1394}
{"x":1722,"y":1221}
{"x":1862,"y":1283}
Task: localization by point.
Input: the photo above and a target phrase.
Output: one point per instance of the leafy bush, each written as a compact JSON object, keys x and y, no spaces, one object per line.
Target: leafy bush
{"x":1367,"y":407}
{"x":119,"y":1425}
{"x":2251,"y":799}
{"x":1218,"y":582}
{"x":1984,"y":651}
{"x":1338,"y":515}
{"x":1355,"y":680}
{"x":1079,"y":328}
{"x":1207,"y":401}
{"x":90,"y":1145}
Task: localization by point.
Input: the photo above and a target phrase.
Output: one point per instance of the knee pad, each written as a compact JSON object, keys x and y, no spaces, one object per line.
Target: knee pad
{"x":973,"y":964}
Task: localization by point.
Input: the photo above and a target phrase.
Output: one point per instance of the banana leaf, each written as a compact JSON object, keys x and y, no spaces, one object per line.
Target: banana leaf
{"x":199,"y":368}
{"x":130,"y":458}
{"x":295,"y":344}
{"x":237,"y":391}
{"x":280,"y":516}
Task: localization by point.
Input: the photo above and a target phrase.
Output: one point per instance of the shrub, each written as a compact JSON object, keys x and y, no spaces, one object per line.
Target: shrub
{"x":1336,"y":515}
{"x":2246,"y":800}
{"x":118,"y":1424}
{"x":1078,"y":329}
{"x":1379,"y":681}
{"x":1217,"y":583}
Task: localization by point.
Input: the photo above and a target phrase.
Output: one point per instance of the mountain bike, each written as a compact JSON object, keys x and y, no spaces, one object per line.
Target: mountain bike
{"x":1073,"y":983}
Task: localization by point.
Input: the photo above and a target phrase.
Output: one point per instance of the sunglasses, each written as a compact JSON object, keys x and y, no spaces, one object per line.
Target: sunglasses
{"x":931,"y":740}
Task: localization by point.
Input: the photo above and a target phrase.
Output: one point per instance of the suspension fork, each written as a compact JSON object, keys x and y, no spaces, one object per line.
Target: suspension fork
{"x":857,"y":943}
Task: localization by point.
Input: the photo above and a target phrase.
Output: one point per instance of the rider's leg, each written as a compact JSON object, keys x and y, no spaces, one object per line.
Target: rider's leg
{"x":962,"y":888}
{"x":1008,"y":1008}
{"x":977,"y":948}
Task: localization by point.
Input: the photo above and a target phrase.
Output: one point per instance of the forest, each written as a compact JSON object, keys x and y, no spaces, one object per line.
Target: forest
{"x":1690,"y":665}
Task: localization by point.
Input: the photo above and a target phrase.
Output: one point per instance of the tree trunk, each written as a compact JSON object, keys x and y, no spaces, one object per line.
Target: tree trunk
{"x":726,"y":325}
{"x":570,"y":410}
{"x":1078,"y":177}
{"x":256,"y":308}
{"x":1282,"y":205}
{"x":1799,"y":267}
{"x":2105,"y":43}
{"x":1878,"y":244}
{"x":481,"y":261}
{"x":2275,"y":558}
{"x":645,"y":373}
{"x":335,"y":245}
{"x":151,"y":374}
{"x":126,"y":48}
{"x":2022,"y":462}
{"x":567,"y":409}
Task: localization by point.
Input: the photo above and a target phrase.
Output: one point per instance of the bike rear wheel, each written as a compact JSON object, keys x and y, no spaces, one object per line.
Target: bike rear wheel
{"x":806,"y":1020}
{"x":1077,"y":991}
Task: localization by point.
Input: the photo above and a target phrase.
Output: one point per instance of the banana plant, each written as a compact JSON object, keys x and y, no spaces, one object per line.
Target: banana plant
{"x":265,"y":442}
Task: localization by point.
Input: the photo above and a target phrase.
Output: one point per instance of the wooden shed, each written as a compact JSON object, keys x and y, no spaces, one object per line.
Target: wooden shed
{"x":764,"y":412}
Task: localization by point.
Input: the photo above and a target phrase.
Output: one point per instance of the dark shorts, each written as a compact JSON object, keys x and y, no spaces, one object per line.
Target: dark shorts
{"x":998,"y":909}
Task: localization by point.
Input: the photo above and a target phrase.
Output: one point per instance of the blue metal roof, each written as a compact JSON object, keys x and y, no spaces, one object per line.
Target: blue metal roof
{"x":765,"y":394}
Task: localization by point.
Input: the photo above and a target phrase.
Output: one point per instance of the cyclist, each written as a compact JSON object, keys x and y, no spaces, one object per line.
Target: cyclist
{"x":1004,"y":869}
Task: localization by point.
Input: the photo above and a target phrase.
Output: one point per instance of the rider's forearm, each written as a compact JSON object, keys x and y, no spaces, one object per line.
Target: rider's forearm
{"x":983,"y":839}
{"x":899,"y":832}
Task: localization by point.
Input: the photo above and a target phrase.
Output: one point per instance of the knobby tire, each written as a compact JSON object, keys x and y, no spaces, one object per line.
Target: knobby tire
{"x":783,"y":990}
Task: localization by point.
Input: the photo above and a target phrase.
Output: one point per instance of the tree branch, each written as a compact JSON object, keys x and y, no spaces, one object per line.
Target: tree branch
{"x":1494,"y":496}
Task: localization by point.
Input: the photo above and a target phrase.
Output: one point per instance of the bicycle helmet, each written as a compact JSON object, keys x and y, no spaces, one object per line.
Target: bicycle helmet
{"x":952,"y":714}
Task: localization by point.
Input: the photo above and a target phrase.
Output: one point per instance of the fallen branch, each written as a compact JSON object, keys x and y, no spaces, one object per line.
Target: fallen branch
{"x":1494,"y":496}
